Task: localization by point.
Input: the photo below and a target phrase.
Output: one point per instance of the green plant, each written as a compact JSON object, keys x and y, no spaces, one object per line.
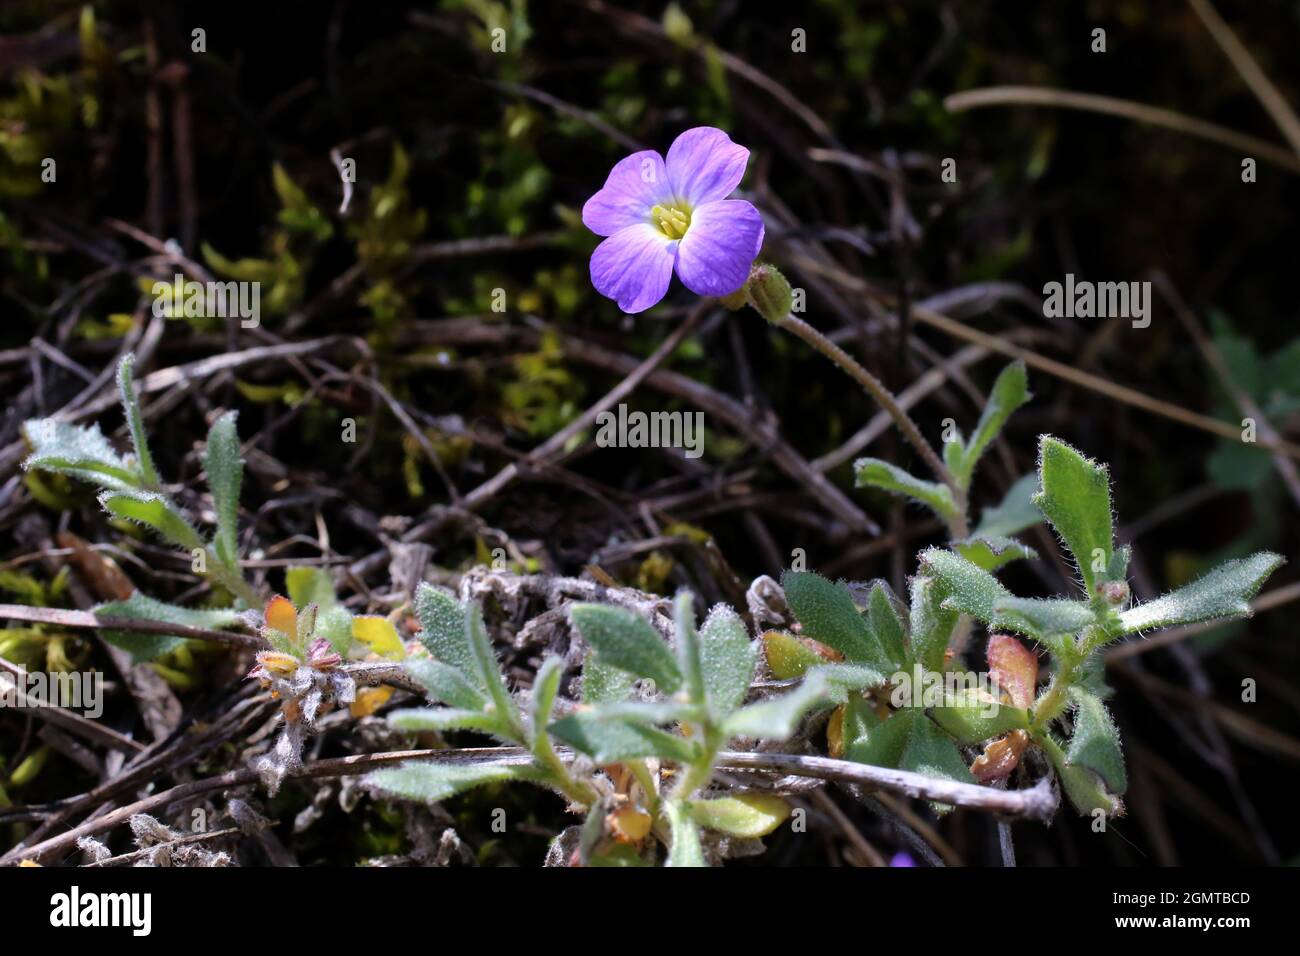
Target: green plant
{"x":644,"y":761}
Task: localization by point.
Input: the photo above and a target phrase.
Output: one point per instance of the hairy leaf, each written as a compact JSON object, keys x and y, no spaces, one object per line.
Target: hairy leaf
{"x":727,"y":657}
{"x":442,"y":623}
{"x":777,"y":717}
{"x":1010,"y":391}
{"x":872,"y":472}
{"x":131,"y":409}
{"x":685,"y":848}
{"x":155,"y":511}
{"x":887,"y":622}
{"x":1223,"y":593}
{"x":609,"y":740}
{"x":446,"y":684}
{"x":602,"y":682}
{"x":148,"y":647}
{"x":310,"y":585}
{"x":225,"y":474}
{"x":931,"y":622}
{"x":83,"y":453}
{"x":430,"y":782}
{"x":445,"y":718}
{"x":624,"y":640}
{"x":748,"y":815}
{"x":991,"y":552}
{"x":827,"y":613}
{"x":1013,"y":514}
{"x":1095,"y":742}
{"x":1075,"y":498}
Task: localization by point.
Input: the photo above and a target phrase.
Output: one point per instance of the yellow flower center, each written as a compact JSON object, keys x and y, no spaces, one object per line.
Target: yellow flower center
{"x":672,"y":221}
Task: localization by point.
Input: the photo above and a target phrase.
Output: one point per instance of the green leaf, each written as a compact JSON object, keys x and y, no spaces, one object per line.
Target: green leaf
{"x":875,"y":473}
{"x":688,"y":649}
{"x":431,"y":782}
{"x":1014,"y":514}
{"x":827,"y":613}
{"x":335,"y":625}
{"x":749,"y":815}
{"x":1075,"y":498}
{"x":972,"y":716}
{"x":445,"y":718}
{"x":1224,"y":592}
{"x":148,"y":647}
{"x":842,"y":678}
{"x":727,"y":658}
{"x":991,"y":552}
{"x":442,"y":630}
{"x":931,"y":623}
{"x":154,"y":510}
{"x":1095,"y":742}
{"x":446,"y":685}
{"x":609,"y":740}
{"x":489,"y":670}
{"x":225,"y":474}
{"x":1010,"y":391}
{"x":310,"y":585}
{"x":777,"y":717}
{"x":624,"y":640}
{"x":931,"y":752}
{"x":131,"y":409}
{"x":789,"y":657}
{"x":969,"y":588}
{"x":82,"y":453}
{"x":684,"y":848}
{"x":546,"y":687}
{"x":872,"y":739}
{"x":1043,"y":617}
{"x":603,"y":683}
{"x":887,"y":622}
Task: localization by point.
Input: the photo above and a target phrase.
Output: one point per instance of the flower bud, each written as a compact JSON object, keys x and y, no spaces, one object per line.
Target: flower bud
{"x":769,"y":293}
{"x":1115,"y":593}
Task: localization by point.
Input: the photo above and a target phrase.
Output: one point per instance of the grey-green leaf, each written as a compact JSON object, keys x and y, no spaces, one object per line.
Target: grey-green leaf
{"x":1014,"y":513}
{"x":442,"y":623}
{"x":444,"y":718}
{"x":225,"y":474}
{"x":727,"y":658}
{"x":970,"y":589}
{"x":827,"y":613}
{"x":148,"y":647}
{"x":777,"y":717}
{"x":82,"y":453}
{"x":602,"y":683}
{"x":155,"y":511}
{"x":931,"y":622}
{"x":446,"y":684}
{"x":610,"y":740}
{"x":991,"y":552}
{"x":887,"y":622}
{"x":1043,"y":617}
{"x":430,"y":782}
{"x":1075,"y":498}
{"x":1225,"y":592}
{"x":685,"y":848}
{"x":1010,"y":391}
{"x":1095,"y":743}
{"x":624,"y":640}
{"x":131,"y":409}
{"x":874,"y":473}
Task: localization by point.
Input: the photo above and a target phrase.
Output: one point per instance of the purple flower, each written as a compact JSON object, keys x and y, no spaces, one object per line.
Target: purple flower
{"x":661,"y":215}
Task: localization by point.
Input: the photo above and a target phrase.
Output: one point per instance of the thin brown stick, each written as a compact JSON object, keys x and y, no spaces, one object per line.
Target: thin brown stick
{"x":1109,"y":105}
{"x":89,"y":619}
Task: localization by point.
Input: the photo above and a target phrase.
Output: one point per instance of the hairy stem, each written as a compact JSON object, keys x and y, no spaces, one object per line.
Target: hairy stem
{"x":885,"y":399}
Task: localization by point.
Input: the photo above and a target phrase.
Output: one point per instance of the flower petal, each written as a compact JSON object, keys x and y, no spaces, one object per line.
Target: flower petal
{"x":634,"y":266}
{"x":715,"y":254}
{"x":634,"y":185}
{"x":704,"y":165}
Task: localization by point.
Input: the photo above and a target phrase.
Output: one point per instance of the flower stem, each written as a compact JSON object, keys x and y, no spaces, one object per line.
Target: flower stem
{"x":885,"y":399}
